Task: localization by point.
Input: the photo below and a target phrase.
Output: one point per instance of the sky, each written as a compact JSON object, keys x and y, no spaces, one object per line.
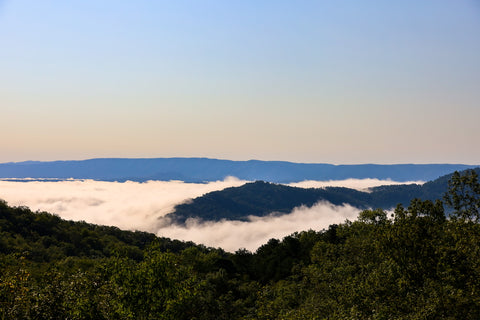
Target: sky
{"x":305,"y":81}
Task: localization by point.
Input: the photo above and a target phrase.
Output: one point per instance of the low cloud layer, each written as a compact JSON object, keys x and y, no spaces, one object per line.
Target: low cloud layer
{"x":233,"y":235}
{"x":128,"y":205}
{"x":359,"y":184}
{"x":137,"y":206}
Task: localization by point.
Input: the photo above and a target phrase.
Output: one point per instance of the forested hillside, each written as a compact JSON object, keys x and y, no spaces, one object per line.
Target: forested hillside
{"x":417,"y":264}
{"x":262,"y":198}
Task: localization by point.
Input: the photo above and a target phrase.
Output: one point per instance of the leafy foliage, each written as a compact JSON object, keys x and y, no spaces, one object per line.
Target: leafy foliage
{"x":415,"y":264}
{"x":464,"y":195}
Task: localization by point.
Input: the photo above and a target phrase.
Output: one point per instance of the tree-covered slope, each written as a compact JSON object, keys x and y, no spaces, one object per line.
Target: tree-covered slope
{"x":262,"y":198}
{"x":417,"y":265}
{"x":43,"y":237}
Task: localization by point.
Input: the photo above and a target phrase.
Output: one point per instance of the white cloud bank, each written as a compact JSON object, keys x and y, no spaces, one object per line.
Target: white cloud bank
{"x":128,"y":205}
{"x":358,"y":184}
{"x":233,"y":235}
{"x":137,"y":206}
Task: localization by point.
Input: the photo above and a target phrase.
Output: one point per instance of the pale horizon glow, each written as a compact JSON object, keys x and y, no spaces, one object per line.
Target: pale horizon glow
{"x":346,"y":82}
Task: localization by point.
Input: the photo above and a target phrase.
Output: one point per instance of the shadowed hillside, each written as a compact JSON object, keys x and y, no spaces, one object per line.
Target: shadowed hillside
{"x":262,"y":198}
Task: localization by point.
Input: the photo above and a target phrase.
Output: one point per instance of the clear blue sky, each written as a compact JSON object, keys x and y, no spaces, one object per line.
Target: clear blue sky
{"x":306,"y":81}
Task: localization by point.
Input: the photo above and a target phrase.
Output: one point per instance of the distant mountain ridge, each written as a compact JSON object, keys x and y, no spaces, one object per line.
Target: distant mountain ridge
{"x":205,"y":169}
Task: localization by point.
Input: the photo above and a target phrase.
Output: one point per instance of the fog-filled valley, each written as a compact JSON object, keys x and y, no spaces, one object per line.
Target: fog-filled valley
{"x":138,"y":206}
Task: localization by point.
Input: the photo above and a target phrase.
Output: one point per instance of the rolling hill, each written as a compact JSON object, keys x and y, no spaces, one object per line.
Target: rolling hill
{"x":262,"y":198}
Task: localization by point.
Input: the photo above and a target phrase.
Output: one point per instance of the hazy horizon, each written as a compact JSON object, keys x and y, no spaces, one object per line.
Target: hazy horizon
{"x":245,"y":159}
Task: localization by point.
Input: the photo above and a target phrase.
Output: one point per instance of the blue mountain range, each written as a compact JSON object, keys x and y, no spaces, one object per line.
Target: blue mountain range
{"x":205,"y":169}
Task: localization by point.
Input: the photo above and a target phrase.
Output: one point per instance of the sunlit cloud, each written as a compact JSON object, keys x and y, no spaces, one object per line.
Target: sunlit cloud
{"x":251,"y":234}
{"x":358,"y":184}
{"x":139,"y":206}
{"x":128,"y":205}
